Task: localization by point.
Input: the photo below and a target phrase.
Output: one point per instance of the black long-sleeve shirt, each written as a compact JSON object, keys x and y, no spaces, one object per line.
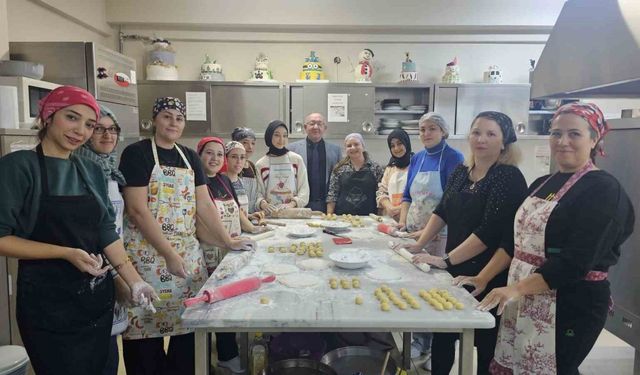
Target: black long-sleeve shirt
{"x":486,"y":209}
{"x":586,"y":228}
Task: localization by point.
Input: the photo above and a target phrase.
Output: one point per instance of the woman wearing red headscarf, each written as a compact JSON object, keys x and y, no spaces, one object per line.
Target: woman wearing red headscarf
{"x":567,"y":234}
{"x":56,"y":217}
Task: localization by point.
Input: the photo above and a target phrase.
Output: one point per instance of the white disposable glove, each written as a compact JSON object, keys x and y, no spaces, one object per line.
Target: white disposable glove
{"x":143,"y":295}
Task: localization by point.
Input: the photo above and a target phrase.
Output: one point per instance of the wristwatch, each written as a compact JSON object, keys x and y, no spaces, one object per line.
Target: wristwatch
{"x":446,"y":260}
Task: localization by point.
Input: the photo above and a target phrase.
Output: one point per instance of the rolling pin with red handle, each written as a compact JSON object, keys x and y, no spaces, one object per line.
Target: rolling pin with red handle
{"x":229,"y":290}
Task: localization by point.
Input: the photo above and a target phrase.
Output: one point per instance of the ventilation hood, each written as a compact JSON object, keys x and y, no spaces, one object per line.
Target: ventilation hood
{"x":592,"y":52}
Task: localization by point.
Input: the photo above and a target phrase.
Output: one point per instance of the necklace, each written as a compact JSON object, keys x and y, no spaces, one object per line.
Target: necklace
{"x":473,"y":183}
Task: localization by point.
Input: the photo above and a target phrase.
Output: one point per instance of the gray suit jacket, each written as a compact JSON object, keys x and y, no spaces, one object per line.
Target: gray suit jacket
{"x":334,"y":154}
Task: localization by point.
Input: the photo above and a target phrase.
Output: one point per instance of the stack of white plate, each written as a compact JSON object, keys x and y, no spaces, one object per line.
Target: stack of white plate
{"x":417,"y":107}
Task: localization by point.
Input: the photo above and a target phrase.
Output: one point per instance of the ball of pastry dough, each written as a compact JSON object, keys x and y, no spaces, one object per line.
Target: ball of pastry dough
{"x":385,"y":306}
{"x":438,"y":306}
{"x":359,"y":300}
{"x":355,"y":283}
{"x":459,"y":305}
{"x":264,"y":300}
{"x":271,"y":249}
{"x":447,"y":305}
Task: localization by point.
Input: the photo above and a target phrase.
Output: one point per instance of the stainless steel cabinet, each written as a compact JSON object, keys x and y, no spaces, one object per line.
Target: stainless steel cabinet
{"x":460,"y":103}
{"x":148,"y":91}
{"x":247,"y":104}
{"x":312,"y":97}
{"x":11,"y":140}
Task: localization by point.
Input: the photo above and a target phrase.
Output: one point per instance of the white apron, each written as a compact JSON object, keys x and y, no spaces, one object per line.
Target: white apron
{"x":396,"y":185}
{"x":281,"y":182}
{"x":172,"y":201}
{"x":526,"y":341}
{"x":426,"y":192}
{"x":120,"y":318}
{"x":230,"y":216}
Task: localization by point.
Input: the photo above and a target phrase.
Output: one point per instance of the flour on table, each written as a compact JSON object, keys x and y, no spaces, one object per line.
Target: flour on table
{"x":384,"y":273}
{"x":279,"y":268}
{"x":314,"y":264}
{"x":300,"y":280}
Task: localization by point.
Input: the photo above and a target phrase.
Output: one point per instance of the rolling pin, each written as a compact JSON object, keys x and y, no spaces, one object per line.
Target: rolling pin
{"x":409,"y":257}
{"x":388,"y":229}
{"x":229,"y":290}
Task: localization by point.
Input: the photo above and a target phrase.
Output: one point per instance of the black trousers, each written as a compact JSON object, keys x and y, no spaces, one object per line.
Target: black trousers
{"x":111,"y":368}
{"x":443,"y":350}
{"x":147,"y":356}
{"x":581,"y":313}
{"x":226,"y":346}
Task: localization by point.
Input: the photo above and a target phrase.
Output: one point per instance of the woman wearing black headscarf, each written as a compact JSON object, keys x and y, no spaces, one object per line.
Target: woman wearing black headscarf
{"x":478,"y":206}
{"x":282,"y":175}
{"x":391,"y":188}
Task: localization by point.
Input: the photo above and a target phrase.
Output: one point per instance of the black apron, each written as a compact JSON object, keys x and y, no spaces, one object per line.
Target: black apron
{"x":357,"y":193}
{"x":64,"y":315}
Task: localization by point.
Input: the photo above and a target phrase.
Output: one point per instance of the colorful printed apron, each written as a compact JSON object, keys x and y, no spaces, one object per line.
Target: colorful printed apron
{"x":426,"y":192}
{"x":172,"y":202}
{"x":527,"y":336}
{"x":281,"y":182}
{"x":230,"y":216}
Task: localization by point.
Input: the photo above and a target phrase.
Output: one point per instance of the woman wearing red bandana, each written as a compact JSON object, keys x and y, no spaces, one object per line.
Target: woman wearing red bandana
{"x":567,"y":234}
{"x":55,"y":215}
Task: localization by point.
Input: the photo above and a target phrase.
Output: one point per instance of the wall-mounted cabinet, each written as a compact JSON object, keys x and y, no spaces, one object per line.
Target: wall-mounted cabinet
{"x":252,"y":105}
{"x":305,"y":98}
{"x":460,"y":103}
{"x":400,"y":106}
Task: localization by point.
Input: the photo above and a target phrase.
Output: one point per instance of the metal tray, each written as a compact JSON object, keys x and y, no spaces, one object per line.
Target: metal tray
{"x":358,"y":359}
{"x":300,"y":367}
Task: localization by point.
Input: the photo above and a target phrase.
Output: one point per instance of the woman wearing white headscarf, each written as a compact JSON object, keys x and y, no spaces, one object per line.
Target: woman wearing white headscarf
{"x":354,"y":180}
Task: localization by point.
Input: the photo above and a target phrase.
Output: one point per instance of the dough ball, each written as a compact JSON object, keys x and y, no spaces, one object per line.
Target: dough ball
{"x":448,"y":305}
{"x":264,"y":300}
{"x":356,"y":283}
{"x":459,"y":305}
{"x":414,"y":304}
{"x":385,"y":307}
{"x":271,"y":249}
{"x":359,"y":300}
{"x":438,"y":306}
{"x":402,"y":306}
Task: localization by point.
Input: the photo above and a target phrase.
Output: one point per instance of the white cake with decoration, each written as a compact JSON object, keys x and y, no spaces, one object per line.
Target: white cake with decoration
{"x":409,"y":72}
{"x":262,"y":73}
{"x":210,"y":70}
{"x":162,"y":61}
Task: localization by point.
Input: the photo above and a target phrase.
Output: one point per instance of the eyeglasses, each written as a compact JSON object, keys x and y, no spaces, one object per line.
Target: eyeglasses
{"x":111,"y":130}
{"x":315,"y":123}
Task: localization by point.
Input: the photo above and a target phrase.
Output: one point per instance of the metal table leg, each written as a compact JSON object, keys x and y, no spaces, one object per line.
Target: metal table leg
{"x":465,"y":360}
{"x":244,"y":351}
{"x":406,"y":350}
{"x":202,"y":352}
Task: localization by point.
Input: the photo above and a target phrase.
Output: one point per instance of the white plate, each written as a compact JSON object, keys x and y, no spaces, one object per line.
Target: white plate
{"x":300,"y":231}
{"x":350,"y":259}
{"x":338,"y":226}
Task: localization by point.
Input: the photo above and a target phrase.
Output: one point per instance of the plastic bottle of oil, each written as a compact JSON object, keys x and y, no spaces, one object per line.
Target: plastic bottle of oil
{"x":258,"y":355}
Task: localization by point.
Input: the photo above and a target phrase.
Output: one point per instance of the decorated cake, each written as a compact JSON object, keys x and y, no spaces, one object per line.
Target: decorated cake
{"x":210,"y":71}
{"x":162,"y":61}
{"x":452,"y":72}
{"x":409,"y":72}
{"x":262,"y":71}
{"x":312,"y":70}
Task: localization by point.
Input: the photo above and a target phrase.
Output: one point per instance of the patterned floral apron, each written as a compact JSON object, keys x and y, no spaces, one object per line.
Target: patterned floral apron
{"x":230,"y":216}
{"x":527,"y":336}
{"x":426,"y":192}
{"x":172,"y":202}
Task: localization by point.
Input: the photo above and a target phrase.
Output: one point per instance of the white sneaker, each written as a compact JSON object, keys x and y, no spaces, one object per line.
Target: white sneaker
{"x":233,"y":364}
{"x":427,"y":364}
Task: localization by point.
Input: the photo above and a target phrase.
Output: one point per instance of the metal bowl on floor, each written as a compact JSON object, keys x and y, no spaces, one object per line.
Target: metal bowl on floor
{"x":300,"y":367}
{"x":358,"y":359}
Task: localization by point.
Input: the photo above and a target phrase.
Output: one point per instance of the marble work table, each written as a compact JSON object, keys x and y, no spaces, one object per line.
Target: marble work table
{"x":322,"y":309}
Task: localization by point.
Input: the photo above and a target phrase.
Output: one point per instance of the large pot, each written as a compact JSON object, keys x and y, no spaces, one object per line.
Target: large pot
{"x":358,"y":359}
{"x":300,"y":367}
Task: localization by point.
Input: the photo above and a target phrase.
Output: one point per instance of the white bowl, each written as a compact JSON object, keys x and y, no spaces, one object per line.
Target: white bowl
{"x":350,"y":259}
{"x":300,"y":231}
{"x":338,"y":226}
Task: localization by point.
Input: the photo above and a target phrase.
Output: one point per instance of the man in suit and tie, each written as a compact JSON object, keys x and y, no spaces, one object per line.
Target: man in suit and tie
{"x":319,"y":156}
